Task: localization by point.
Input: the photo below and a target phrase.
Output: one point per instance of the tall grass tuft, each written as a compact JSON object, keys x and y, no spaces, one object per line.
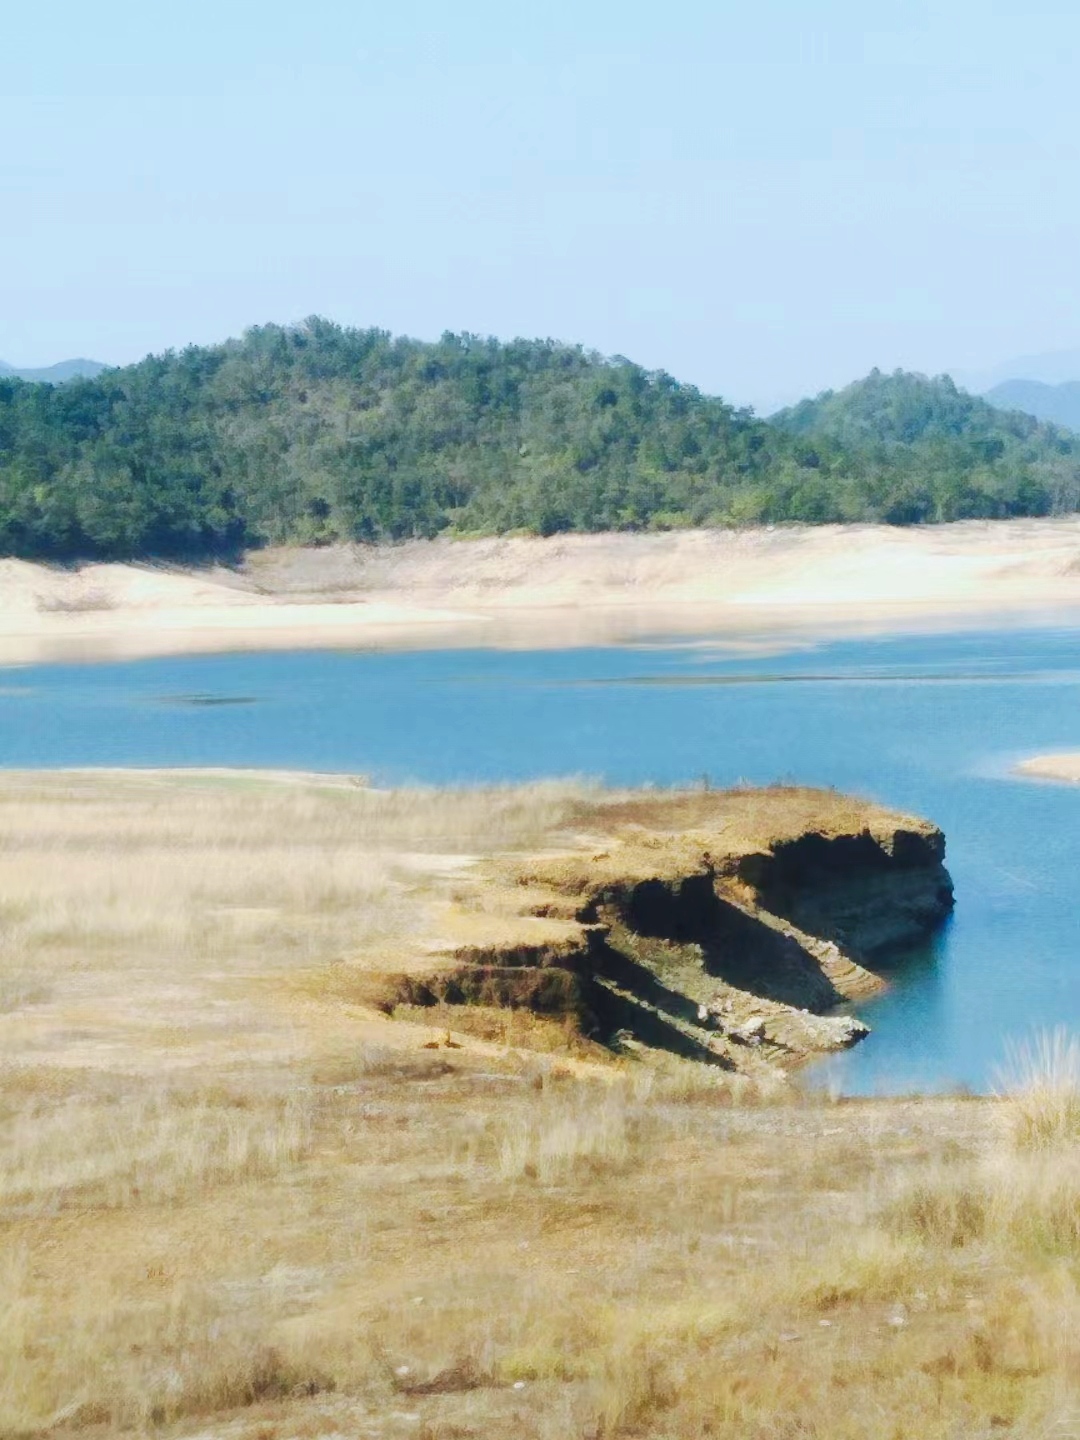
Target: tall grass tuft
{"x":1039,"y":1085}
{"x":564,"y":1136}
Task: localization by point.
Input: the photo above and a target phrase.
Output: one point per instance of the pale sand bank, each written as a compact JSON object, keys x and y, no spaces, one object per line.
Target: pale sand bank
{"x":737,"y":586}
{"x":214,"y":775}
{"x":1063,"y":767}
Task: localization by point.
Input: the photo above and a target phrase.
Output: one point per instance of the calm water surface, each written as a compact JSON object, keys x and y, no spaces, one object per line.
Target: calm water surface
{"x":926,"y":724}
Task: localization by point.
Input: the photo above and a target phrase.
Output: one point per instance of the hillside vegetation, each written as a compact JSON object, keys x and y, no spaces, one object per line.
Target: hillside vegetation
{"x":923,"y":450}
{"x":316,"y":433}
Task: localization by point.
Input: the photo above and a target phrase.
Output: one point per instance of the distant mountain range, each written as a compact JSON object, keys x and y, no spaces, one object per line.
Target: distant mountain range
{"x":1056,"y":367}
{"x":55,"y":374}
{"x":1060,"y":404}
{"x":1046,"y":386}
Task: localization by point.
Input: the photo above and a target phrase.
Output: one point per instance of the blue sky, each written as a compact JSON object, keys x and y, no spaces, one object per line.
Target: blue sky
{"x":763,"y":198}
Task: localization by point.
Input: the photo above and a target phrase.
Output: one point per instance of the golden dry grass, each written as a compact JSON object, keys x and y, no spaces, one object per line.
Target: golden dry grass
{"x":1041,"y":1078}
{"x":233,"y":1206}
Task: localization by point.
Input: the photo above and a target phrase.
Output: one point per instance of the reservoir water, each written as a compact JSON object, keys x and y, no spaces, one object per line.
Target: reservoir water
{"x":928,"y":724}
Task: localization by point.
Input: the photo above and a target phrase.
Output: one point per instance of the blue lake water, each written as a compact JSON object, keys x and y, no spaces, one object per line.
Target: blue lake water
{"x":928,"y":724}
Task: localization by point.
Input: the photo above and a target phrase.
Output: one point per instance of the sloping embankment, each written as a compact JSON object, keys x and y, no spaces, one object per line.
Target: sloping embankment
{"x":726,"y":927}
{"x":752,"y":585}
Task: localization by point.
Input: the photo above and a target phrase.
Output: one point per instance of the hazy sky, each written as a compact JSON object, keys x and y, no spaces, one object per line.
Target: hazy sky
{"x":763,"y":197}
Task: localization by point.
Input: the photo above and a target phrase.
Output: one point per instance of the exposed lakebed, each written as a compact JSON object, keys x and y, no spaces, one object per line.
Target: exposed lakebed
{"x":927,"y":724}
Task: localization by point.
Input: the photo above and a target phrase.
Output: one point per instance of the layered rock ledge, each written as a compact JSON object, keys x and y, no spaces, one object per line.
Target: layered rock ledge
{"x":731,"y":927}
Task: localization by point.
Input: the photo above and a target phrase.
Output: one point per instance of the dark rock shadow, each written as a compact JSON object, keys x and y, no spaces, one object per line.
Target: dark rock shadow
{"x":737,"y":946}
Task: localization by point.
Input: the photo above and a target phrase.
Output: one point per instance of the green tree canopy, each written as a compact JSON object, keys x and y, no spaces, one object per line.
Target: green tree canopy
{"x":314,"y":433}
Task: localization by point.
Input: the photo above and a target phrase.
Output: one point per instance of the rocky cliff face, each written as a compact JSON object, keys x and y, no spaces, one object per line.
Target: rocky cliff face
{"x":871,"y":893}
{"x":728,"y":928}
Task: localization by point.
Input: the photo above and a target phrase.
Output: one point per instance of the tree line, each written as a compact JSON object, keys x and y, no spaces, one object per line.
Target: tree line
{"x":314,"y":433}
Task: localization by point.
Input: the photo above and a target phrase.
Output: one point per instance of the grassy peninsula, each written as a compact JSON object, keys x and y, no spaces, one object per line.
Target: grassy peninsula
{"x":313,"y":434}
{"x":239,"y":1203}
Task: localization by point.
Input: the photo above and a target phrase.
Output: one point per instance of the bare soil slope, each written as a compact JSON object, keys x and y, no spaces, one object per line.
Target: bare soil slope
{"x":744,"y":585}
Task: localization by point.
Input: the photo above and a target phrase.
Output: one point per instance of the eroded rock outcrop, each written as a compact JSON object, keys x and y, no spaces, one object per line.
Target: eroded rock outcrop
{"x":869,"y":892}
{"x":728,"y":927}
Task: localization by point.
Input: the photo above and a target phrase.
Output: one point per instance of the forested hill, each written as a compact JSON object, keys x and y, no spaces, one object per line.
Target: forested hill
{"x":919,"y":449}
{"x":313,"y":433}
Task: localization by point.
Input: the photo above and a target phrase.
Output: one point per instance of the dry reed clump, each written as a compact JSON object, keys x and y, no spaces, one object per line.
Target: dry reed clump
{"x":869,"y":1265}
{"x":1026,"y":1203}
{"x":127,"y":1363}
{"x":563,"y":1134}
{"x":1023,"y":1191}
{"x":944,"y":1208}
{"x":152,"y":1147}
{"x":589,"y":1129}
{"x":674,"y":1081}
{"x":1040,"y":1085}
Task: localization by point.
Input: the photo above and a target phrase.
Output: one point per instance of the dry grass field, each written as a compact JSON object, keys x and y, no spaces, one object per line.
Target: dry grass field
{"x":233,"y":1204}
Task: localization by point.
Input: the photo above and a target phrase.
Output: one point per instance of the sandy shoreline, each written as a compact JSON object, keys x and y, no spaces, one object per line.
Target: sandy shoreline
{"x":748,"y":588}
{"x":1063,"y":768}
